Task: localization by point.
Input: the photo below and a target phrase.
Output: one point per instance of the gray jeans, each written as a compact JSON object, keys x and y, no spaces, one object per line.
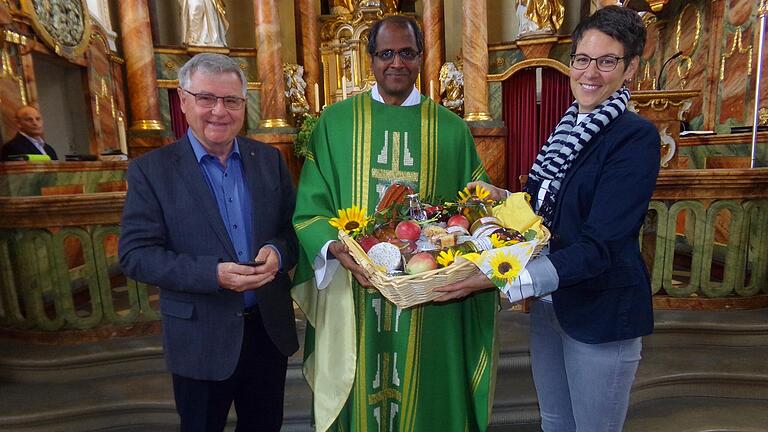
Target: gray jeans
{"x":581,"y":387}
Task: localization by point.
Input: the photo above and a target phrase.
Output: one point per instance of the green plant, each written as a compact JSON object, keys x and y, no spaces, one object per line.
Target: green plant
{"x":301,"y":143}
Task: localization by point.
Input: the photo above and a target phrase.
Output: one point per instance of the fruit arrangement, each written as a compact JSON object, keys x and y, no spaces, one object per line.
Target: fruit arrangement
{"x":407,"y":236}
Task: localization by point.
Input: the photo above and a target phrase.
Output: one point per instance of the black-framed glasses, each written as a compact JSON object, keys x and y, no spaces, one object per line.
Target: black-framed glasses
{"x":405,"y":54}
{"x":606,"y":63}
{"x":207,"y":100}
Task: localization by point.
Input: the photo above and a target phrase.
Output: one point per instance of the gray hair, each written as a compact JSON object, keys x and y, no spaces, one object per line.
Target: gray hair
{"x":210,"y":64}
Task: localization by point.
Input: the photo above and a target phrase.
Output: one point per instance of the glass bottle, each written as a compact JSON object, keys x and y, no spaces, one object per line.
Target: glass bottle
{"x":415,"y":209}
{"x":474,"y":209}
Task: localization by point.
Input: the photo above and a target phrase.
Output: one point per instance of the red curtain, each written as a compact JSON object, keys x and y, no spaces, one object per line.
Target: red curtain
{"x":529,"y":123}
{"x":519,"y":112}
{"x":178,"y":121}
{"x":555,"y":99}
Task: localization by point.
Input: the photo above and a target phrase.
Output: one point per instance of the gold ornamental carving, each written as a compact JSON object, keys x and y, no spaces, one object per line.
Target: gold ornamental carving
{"x":685,"y":62}
{"x":273,"y":123}
{"x":343,"y":50}
{"x":147,"y":125}
{"x":736,"y":46}
{"x":63,"y":25}
{"x":7,"y":69}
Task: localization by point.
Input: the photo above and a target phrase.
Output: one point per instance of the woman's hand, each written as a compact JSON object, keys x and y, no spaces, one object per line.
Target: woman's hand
{"x":497,"y":194}
{"x":461,"y":289}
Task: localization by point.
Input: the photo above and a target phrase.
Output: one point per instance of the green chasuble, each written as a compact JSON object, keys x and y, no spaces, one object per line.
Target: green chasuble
{"x":371,"y":365}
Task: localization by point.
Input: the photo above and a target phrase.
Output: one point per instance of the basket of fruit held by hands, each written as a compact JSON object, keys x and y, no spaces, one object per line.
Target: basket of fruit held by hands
{"x":408,"y":248}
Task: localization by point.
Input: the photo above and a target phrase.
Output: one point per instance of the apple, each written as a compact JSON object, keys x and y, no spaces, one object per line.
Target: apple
{"x":408,"y":230}
{"x":406,"y":247}
{"x":367,"y":242}
{"x":459,"y":220}
{"x":421,"y":262}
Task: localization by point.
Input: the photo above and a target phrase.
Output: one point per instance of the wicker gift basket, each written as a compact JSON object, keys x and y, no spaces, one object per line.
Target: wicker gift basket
{"x":410,"y":290}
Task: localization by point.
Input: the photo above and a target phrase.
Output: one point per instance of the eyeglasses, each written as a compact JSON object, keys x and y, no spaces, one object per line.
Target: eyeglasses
{"x":206,"y":100}
{"x":606,"y":63}
{"x":406,"y":54}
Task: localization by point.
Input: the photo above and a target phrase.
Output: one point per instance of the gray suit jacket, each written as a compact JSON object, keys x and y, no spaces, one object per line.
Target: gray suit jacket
{"x":172,"y":236}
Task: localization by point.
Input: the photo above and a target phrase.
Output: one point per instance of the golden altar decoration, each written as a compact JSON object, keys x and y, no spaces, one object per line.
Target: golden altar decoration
{"x":346,"y":65}
{"x":666,"y":109}
{"x":64,"y":25}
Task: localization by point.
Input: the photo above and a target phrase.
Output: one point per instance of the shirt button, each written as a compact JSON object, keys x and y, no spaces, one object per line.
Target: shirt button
{"x":234,"y":226}
{"x":240,"y":252}
{"x":230,"y":199}
{"x":225,"y":174}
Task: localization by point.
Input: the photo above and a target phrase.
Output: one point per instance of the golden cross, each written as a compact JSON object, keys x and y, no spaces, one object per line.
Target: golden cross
{"x":386,"y":394}
{"x":395,"y":174}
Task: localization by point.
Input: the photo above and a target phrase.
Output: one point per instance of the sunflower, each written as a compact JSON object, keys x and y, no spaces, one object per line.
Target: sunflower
{"x":351,"y":220}
{"x":480,"y":192}
{"x":505,"y":267}
{"x":446,"y":257}
{"x":497,"y":241}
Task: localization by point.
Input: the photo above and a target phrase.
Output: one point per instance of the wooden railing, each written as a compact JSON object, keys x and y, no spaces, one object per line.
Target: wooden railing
{"x":59,"y":265}
{"x":706,"y":237}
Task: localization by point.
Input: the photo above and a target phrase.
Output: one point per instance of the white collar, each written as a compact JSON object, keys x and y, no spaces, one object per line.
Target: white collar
{"x":413,"y":99}
{"x":38,"y":140}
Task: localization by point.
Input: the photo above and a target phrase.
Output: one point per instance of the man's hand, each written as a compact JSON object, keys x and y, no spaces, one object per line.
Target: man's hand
{"x":341,"y":253}
{"x":237,"y":277}
{"x":497,"y":194}
{"x":459,"y":290}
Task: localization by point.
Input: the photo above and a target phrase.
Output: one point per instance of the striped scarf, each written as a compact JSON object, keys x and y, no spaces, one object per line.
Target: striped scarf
{"x":565,"y":143}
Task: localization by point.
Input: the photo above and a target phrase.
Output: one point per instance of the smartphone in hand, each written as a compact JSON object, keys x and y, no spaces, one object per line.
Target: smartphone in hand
{"x":253,"y":263}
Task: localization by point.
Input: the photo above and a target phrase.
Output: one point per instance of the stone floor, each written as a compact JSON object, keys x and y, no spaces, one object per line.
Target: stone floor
{"x":701,"y":371}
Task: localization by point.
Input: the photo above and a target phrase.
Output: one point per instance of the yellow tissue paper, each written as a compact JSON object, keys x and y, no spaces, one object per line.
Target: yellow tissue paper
{"x":516,"y":213}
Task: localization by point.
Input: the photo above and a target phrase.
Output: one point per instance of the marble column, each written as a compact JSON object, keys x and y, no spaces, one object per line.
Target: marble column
{"x":268,"y":47}
{"x":474,"y":46}
{"x":434,"y":45}
{"x":136,"y":34}
{"x":308,"y":44}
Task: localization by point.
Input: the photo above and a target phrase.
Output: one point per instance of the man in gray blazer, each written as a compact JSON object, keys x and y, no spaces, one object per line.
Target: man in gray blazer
{"x":208,"y":220}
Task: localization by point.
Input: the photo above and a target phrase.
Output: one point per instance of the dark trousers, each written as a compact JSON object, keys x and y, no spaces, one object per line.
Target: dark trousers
{"x":257,"y":387}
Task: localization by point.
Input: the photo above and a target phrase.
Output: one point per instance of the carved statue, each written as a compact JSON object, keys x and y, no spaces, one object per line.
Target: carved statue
{"x":204,"y":22}
{"x":452,"y":87}
{"x":295,"y":88}
{"x":539,"y":17}
{"x":341,"y":7}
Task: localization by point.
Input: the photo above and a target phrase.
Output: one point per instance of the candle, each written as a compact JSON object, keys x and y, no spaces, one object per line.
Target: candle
{"x":317,"y":97}
{"x":432,"y":89}
{"x":343,"y":88}
{"x":121,"y":135}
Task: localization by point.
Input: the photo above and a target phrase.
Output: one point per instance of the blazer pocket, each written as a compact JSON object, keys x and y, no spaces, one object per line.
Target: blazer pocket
{"x":176,"y":308}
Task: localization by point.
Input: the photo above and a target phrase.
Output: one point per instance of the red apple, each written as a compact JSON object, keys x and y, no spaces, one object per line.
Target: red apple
{"x":421,"y":262}
{"x":459,"y":220}
{"x":408,"y":230}
{"x":367,"y":242}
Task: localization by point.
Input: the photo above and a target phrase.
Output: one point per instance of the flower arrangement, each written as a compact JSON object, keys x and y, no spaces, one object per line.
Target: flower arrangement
{"x":405,"y":236}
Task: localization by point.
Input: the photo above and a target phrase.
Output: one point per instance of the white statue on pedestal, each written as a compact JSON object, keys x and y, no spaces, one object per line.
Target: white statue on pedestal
{"x":204,"y":22}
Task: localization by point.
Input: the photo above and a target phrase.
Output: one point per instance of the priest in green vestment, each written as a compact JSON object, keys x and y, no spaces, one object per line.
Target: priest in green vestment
{"x":371,"y":365}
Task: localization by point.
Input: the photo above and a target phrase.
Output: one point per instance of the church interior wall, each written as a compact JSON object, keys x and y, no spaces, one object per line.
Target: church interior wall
{"x":65,"y":110}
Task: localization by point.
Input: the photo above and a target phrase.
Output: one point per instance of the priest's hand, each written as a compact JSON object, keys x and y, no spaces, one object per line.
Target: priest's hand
{"x":497,"y":194}
{"x":459,"y":290}
{"x":340,"y":251}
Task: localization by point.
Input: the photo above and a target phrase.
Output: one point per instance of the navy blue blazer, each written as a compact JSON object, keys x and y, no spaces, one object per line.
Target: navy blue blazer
{"x":20,"y":145}
{"x":172,"y":236}
{"x":604,"y":291}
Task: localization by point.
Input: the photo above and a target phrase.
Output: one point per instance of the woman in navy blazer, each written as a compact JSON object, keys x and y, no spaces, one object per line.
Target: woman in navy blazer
{"x":591,"y":182}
